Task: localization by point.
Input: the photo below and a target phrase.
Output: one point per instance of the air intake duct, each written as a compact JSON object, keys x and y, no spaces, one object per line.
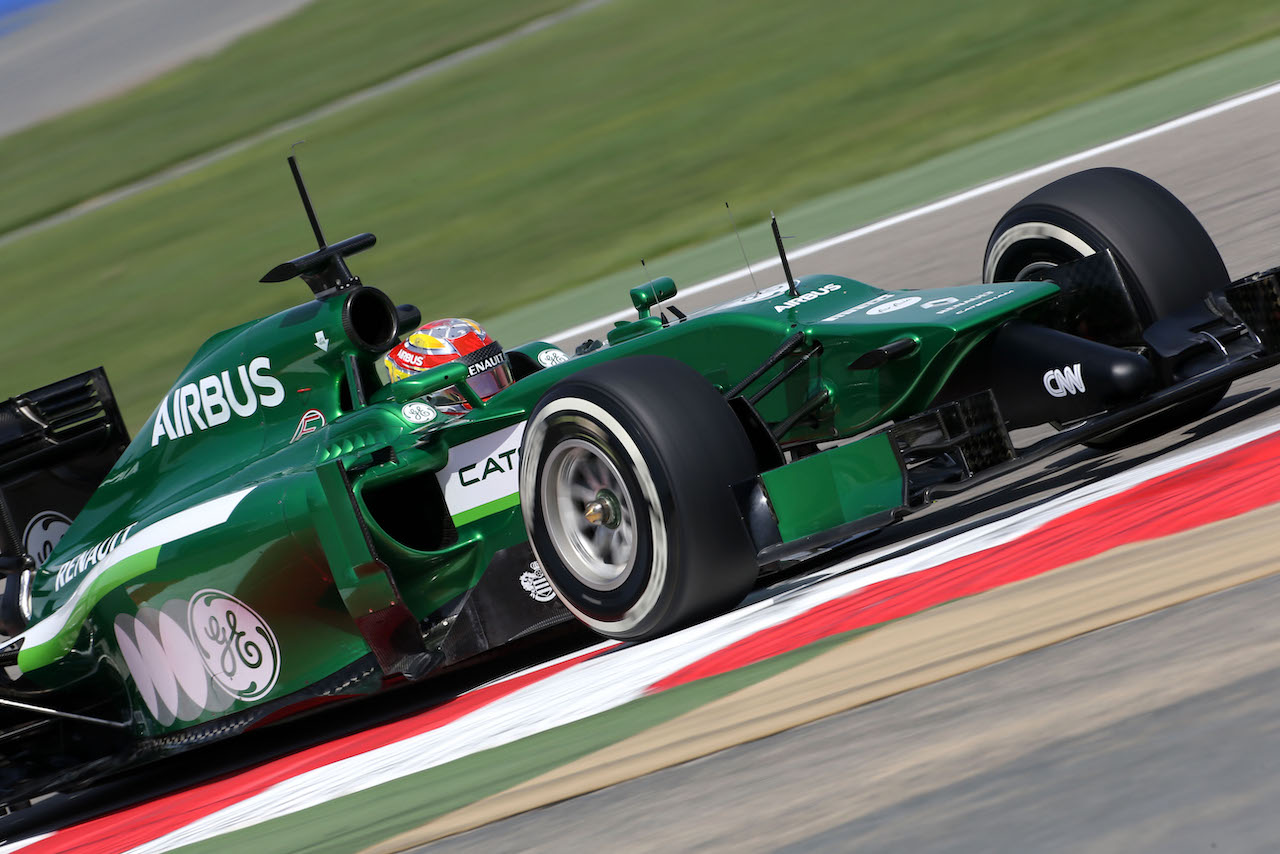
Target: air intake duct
{"x":370,"y":320}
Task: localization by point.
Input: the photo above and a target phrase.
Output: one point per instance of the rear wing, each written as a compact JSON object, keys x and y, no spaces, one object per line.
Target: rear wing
{"x":57,"y":443}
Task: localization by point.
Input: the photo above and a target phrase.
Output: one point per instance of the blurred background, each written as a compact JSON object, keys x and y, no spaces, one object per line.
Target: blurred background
{"x":516,"y":158}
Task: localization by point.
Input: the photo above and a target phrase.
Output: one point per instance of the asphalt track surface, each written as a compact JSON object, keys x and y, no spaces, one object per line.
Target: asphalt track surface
{"x":1191,"y":775}
{"x":932,"y":770}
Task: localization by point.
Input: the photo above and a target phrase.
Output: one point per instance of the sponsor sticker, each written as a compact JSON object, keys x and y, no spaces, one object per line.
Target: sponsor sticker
{"x":829,"y":288}
{"x":535,"y":583}
{"x":857,"y":308}
{"x":418,"y":412}
{"x":216,"y":399}
{"x":311,"y":421}
{"x":69,"y":570}
{"x":976,"y":301}
{"x":189,"y":658}
{"x":485,"y":365}
{"x":43,"y":533}
{"x":886,"y":303}
{"x":551,"y":357}
{"x":940,"y":302}
{"x":983,"y":302}
{"x":894,"y":305}
{"x":237,"y":646}
{"x":1061,"y":382}
{"x":483,"y":475}
{"x":121,"y":475}
{"x":758,"y":296}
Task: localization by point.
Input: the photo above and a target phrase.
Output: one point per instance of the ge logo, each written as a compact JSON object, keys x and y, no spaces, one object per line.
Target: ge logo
{"x":418,"y":413}
{"x":43,"y":533}
{"x":238,"y":648}
{"x":551,"y":357}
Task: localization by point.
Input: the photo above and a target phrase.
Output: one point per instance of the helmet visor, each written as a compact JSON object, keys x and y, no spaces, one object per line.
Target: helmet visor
{"x":490,"y":382}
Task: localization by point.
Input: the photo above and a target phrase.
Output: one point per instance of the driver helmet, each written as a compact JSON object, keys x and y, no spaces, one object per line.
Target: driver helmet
{"x":453,"y":339}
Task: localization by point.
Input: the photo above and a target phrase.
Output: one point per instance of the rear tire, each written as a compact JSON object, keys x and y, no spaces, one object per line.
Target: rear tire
{"x":1166,"y":258}
{"x":655,"y":448}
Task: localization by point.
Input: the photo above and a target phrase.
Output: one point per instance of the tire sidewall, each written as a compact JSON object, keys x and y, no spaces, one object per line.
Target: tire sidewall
{"x":1069,"y":234}
{"x":1166,"y":257}
{"x":1040,"y":234}
{"x":639,"y":602}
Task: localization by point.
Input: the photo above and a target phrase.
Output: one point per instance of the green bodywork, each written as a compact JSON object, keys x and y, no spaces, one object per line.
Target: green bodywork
{"x":260,"y":514}
{"x":849,"y":482}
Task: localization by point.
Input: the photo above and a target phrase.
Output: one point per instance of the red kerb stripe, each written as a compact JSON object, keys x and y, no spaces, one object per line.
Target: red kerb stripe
{"x":1220,"y":487}
{"x":140,"y":824}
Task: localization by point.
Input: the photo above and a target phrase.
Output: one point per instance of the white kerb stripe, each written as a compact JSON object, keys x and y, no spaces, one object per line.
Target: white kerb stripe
{"x":19,"y":845}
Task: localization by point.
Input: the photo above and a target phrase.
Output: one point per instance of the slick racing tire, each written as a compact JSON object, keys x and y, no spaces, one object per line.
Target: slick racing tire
{"x":625,"y":476}
{"x":1166,"y":259}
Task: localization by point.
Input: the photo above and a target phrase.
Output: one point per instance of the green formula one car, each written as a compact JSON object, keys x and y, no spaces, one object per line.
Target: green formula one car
{"x":288,"y":526}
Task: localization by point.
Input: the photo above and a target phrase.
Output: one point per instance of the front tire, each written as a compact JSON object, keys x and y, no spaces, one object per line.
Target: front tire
{"x":1166,"y":259}
{"x":625,"y":479}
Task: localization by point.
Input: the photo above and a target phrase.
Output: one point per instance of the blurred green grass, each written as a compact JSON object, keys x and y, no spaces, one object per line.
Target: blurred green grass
{"x":328,"y":49}
{"x":572,"y":153}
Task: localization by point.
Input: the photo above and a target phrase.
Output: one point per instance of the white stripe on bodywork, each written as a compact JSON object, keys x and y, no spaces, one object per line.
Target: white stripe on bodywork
{"x":461,"y":495}
{"x":182,"y":524}
{"x":619,"y":677}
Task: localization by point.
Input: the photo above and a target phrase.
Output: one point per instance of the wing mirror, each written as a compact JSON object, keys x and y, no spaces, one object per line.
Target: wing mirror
{"x":427,"y":382}
{"x":646,"y":296}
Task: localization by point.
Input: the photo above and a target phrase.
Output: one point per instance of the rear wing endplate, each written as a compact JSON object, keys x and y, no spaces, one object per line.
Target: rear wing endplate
{"x":57,"y":443}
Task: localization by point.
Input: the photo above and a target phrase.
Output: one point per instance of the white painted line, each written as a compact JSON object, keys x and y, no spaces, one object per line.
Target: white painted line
{"x":606,"y":682}
{"x":943,"y":204}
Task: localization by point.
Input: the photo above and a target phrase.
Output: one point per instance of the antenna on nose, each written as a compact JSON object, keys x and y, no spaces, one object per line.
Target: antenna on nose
{"x":738,"y":234}
{"x":782,"y":253}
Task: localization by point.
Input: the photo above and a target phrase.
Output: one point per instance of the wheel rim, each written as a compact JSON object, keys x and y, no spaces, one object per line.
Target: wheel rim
{"x":589,"y":514}
{"x":1035,"y":271}
{"x":1026,"y":250}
